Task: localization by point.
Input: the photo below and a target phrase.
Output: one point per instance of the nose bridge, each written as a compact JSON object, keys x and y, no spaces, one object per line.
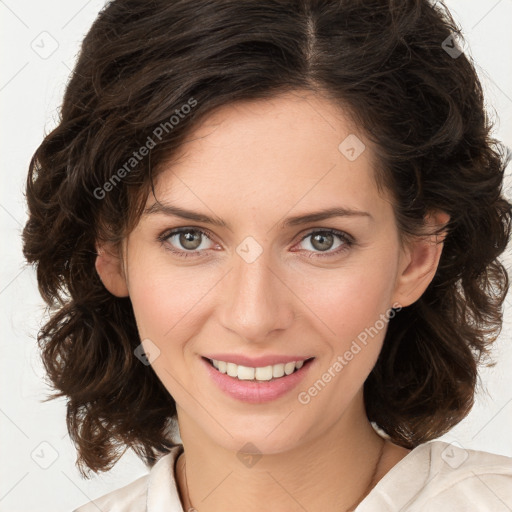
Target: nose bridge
{"x":258,"y":301}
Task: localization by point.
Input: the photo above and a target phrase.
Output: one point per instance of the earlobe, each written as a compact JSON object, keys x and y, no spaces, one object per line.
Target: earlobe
{"x":419,"y":264}
{"x":110,"y":269}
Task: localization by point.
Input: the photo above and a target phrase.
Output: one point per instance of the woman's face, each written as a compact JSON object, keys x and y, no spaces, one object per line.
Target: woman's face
{"x":258,"y":285}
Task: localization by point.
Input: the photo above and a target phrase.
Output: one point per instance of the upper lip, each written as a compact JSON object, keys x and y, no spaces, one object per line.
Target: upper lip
{"x":256,"y":362}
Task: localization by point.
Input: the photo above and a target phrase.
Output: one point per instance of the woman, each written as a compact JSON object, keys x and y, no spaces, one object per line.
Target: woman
{"x":273,"y":226}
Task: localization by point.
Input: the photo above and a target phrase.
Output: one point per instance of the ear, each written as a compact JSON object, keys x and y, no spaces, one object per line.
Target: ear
{"x":109,"y":266}
{"x":419,"y":262}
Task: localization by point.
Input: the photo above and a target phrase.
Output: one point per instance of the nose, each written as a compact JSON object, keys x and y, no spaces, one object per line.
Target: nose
{"x":257,"y":299}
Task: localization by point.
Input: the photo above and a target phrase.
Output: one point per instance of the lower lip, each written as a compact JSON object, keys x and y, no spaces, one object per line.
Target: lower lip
{"x":256,"y":392}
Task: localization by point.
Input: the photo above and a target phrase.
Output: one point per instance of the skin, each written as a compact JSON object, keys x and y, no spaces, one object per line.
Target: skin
{"x":253,"y":164}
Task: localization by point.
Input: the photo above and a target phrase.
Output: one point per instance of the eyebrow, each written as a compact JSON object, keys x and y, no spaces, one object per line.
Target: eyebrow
{"x":175,"y":211}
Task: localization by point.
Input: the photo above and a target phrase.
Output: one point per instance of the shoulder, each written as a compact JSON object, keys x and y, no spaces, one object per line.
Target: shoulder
{"x":152,"y":490}
{"x":461,"y":478}
{"x":131,"y":497}
{"x":438,"y":476}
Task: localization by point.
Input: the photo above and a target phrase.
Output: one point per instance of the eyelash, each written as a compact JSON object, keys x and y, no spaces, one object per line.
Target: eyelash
{"x":347,"y":239}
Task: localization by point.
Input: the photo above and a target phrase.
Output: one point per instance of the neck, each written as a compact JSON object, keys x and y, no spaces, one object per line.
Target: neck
{"x":334,"y":471}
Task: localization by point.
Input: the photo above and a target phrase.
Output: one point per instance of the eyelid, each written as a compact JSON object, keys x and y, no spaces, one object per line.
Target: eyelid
{"x":337,"y":232}
{"x":348,"y":240}
{"x":168,"y":233}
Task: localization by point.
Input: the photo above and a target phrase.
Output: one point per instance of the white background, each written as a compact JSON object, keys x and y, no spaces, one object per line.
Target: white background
{"x":31,"y":88}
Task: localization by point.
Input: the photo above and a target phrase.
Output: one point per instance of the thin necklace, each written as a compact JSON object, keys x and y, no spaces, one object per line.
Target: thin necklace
{"x":188,"y":505}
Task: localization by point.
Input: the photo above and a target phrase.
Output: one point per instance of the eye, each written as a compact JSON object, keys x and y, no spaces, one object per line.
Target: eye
{"x":189,"y":239}
{"x":322,"y":241}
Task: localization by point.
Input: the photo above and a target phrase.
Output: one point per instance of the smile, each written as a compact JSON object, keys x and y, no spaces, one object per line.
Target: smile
{"x":264,"y":373}
{"x":244,"y":383}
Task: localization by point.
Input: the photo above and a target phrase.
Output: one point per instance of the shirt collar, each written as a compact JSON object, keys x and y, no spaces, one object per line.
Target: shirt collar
{"x":162,"y":491}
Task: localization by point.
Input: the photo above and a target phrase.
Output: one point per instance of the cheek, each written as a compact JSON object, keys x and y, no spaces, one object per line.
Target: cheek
{"x":349,"y":306}
{"x":351,"y":310}
{"x":166,"y":300}
{"x":350,"y":296}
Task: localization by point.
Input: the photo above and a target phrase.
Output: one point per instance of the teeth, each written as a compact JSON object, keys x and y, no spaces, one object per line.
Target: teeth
{"x":260,"y":373}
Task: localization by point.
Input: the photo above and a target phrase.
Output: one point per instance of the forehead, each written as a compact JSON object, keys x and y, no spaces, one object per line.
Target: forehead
{"x":288,"y":152}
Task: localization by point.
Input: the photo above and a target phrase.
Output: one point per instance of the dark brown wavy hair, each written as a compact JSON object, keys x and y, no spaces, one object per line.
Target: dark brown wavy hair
{"x":392,"y":65}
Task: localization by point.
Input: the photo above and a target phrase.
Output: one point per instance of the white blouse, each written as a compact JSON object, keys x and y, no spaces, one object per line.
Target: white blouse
{"x":433,"y":477}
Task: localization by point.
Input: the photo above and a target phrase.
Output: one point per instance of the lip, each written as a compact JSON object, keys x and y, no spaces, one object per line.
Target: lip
{"x":256,"y":392}
{"x":256,"y":362}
